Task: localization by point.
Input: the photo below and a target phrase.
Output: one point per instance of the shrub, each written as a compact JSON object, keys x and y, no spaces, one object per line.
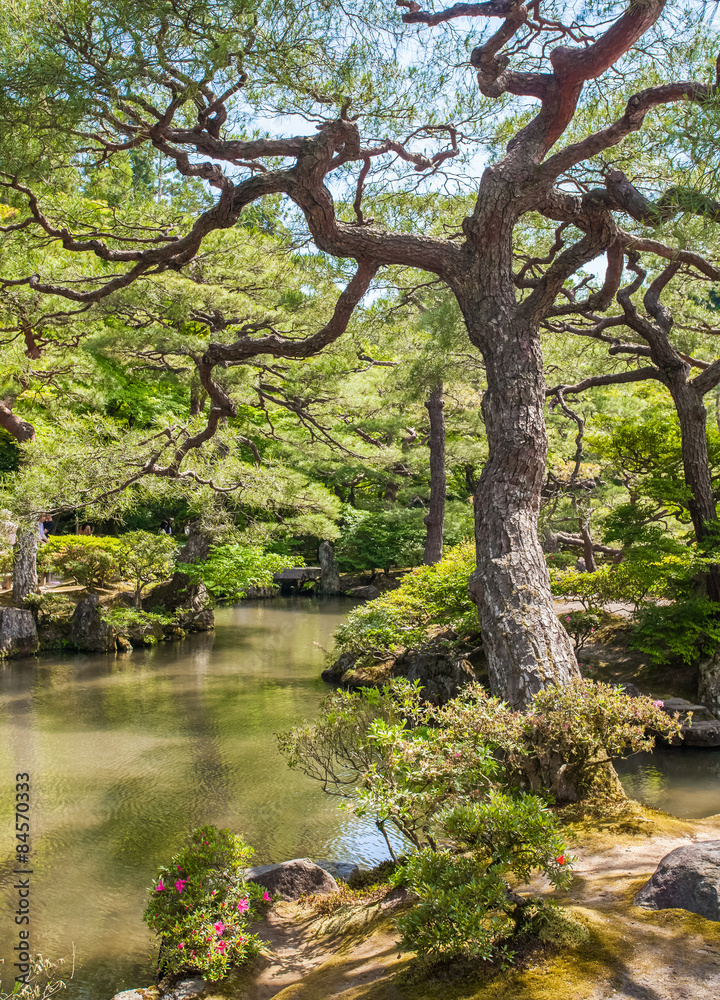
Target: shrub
{"x":379,"y":751}
{"x":580,"y":625}
{"x":49,"y":609}
{"x":685,"y":630}
{"x":139,"y":627}
{"x":431,"y":596}
{"x":565,"y":742}
{"x":465,"y":907}
{"x":89,"y":559}
{"x":230,"y":570}
{"x":200,"y":905}
{"x":380,"y":539}
{"x":41,"y":983}
{"x":145,"y":558}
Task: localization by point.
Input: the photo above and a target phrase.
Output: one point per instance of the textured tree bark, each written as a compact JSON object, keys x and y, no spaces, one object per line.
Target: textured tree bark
{"x":25,"y":580}
{"x":588,"y":553}
{"x":527,"y":647}
{"x":692,"y":416}
{"x":435,"y":519}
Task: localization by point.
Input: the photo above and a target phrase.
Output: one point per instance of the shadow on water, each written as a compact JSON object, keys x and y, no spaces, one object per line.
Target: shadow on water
{"x":128,"y":752}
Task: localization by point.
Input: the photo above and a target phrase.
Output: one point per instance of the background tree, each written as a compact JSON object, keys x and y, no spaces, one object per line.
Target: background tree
{"x":197,"y":87}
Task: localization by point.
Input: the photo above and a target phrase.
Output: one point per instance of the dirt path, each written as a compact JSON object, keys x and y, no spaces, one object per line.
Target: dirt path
{"x":632,"y":953}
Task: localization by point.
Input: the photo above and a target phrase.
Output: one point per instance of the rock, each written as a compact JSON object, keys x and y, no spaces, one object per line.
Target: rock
{"x":368,"y":593}
{"x":293,"y":878}
{"x":441,"y":674}
{"x":90,"y":632}
{"x":709,"y":686}
{"x":18,"y":632}
{"x":329,"y":575}
{"x":687,"y":878}
{"x":178,"y":592}
{"x":188,"y":989}
{"x":441,"y":667}
{"x":122,"y":644}
{"x":343,"y":870}
{"x":703,"y":730}
{"x":142,"y":993}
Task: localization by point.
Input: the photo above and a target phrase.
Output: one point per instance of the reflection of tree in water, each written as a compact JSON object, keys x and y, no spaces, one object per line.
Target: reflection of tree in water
{"x":132,"y":751}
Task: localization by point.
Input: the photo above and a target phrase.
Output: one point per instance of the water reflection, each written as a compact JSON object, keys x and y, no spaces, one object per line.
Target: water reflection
{"x":129,"y":752}
{"x":684,"y":782}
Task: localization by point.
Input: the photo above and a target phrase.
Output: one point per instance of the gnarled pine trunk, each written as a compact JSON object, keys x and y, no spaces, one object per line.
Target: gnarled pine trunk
{"x":435,"y":518}
{"x":527,"y":647}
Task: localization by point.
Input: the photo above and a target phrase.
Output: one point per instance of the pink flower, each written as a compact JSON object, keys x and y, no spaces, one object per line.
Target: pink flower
{"x":181,"y":946}
{"x":243,"y":905}
{"x":266,"y":897}
{"x":658,"y":704}
{"x":159,"y":887}
{"x":219,"y":926}
{"x":221,"y":946}
{"x":181,"y":883}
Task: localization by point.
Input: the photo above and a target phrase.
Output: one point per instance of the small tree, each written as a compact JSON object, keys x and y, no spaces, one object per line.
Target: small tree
{"x":91,"y":561}
{"x":145,"y":558}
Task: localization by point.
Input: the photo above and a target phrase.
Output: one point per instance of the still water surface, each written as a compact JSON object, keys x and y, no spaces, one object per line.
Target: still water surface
{"x":127,"y":753}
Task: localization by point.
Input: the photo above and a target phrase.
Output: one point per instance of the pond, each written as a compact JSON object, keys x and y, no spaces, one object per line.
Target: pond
{"x":127,"y":753}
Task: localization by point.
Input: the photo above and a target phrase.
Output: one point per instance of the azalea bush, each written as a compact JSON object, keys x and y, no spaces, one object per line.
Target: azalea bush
{"x":200,"y":905}
{"x":231,"y":570}
{"x":91,"y":560}
{"x":566,"y":741}
{"x":465,"y":908}
{"x":429,"y":597}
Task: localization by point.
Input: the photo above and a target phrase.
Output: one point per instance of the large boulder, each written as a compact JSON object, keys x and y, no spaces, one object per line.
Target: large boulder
{"x":687,"y":878}
{"x":292,"y":879}
{"x":441,"y":665}
{"x":18,"y":632}
{"x":89,"y":631}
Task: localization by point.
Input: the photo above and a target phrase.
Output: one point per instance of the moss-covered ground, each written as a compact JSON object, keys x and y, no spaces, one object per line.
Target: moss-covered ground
{"x":629,"y":953}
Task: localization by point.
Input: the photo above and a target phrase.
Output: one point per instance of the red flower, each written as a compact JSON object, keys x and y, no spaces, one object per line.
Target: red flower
{"x":560,"y":859}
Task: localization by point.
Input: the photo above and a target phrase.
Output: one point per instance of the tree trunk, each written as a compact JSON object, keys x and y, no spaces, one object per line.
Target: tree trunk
{"x":527,"y":648}
{"x":25,"y":580}
{"x":692,"y":416}
{"x":20,"y":429}
{"x":588,"y":553}
{"x":435,"y":519}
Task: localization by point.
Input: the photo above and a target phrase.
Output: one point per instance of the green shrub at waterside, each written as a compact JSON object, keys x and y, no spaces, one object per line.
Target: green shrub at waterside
{"x":141,"y":628}
{"x":431,"y":596}
{"x":91,"y":560}
{"x":685,"y":630}
{"x":232,"y":569}
{"x":200,"y":905}
{"x":465,"y":907}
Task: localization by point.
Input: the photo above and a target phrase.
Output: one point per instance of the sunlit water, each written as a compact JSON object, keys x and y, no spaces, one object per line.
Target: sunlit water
{"x":684,"y":782}
{"x":127,"y":753}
